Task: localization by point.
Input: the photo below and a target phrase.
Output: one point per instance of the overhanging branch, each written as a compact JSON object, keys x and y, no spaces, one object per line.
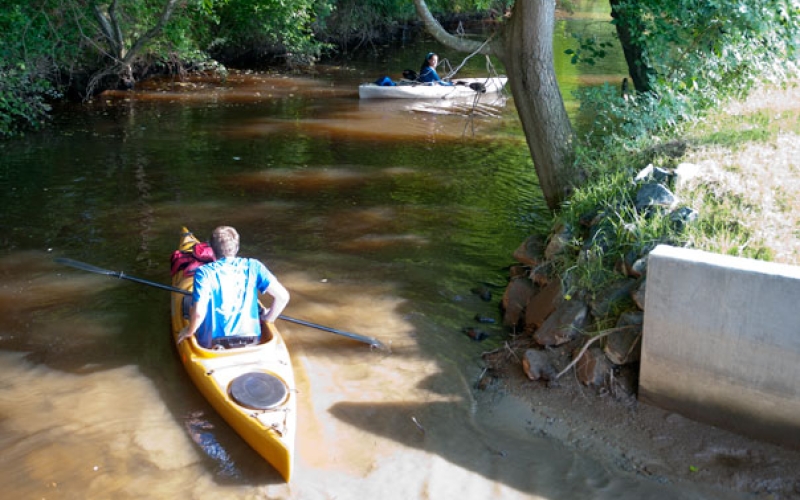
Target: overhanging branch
{"x":442,"y":36}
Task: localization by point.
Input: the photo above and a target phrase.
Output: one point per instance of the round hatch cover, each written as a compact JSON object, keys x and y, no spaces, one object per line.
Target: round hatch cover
{"x":258,"y":390}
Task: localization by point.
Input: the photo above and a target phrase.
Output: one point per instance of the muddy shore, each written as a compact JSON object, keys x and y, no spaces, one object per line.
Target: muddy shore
{"x":643,"y":440}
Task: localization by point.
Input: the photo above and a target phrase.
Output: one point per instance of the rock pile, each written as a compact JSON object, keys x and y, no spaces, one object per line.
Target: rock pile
{"x":560,"y":325}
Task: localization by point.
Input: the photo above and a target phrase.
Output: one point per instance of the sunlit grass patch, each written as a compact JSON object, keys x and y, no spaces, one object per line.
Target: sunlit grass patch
{"x":732,"y":132}
{"x":728,"y":222}
{"x":746,"y":193}
{"x":734,"y":138}
{"x":748,"y":199}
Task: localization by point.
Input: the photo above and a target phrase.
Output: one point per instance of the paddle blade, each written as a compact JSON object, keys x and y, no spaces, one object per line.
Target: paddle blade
{"x":84,"y":266}
{"x":117,"y":274}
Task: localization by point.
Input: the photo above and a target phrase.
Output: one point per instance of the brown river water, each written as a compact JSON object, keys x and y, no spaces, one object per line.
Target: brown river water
{"x":380,"y":218}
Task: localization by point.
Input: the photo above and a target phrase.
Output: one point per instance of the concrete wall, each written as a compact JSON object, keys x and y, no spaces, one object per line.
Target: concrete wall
{"x":721,"y":342}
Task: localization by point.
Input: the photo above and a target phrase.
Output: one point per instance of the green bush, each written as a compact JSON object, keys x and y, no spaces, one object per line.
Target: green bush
{"x":23,"y":100}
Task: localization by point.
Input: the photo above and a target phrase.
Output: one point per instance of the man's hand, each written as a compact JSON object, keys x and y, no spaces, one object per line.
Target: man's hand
{"x":183,"y":335}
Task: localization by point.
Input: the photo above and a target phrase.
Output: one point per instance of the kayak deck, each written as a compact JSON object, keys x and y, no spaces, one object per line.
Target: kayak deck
{"x":262,"y":370}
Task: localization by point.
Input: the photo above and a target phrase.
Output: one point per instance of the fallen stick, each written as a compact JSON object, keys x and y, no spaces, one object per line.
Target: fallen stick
{"x":589,"y":342}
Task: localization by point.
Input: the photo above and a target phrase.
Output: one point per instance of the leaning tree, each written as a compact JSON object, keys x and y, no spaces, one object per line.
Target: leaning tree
{"x":121,"y":46}
{"x":524,"y":44}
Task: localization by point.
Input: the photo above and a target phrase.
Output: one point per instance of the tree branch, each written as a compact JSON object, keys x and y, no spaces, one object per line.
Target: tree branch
{"x":590,"y":342}
{"x":108,"y":30}
{"x":442,"y":36}
{"x":112,"y":14}
{"x":152,"y":32}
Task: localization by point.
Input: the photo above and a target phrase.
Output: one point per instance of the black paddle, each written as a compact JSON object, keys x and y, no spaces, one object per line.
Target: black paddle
{"x":373,"y":342}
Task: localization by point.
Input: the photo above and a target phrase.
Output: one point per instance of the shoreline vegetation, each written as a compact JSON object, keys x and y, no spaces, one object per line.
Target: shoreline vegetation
{"x":746,"y":158}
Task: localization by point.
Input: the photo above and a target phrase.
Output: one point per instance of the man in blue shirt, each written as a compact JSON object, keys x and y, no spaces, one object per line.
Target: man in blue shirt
{"x":225,"y":297}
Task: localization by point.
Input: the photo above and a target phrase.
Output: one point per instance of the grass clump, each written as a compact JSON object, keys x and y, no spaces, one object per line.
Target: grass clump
{"x":744,"y":195}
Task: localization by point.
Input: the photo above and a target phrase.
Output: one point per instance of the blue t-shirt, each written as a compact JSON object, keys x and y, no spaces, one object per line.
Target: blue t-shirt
{"x":429,"y":75}
{"x":229,"y":287}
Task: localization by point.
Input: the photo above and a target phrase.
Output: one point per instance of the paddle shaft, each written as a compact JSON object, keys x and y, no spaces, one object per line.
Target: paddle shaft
{"x":373,"y":342}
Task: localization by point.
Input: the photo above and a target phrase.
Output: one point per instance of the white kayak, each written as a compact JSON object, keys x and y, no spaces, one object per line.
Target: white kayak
{"x":462,"y":87}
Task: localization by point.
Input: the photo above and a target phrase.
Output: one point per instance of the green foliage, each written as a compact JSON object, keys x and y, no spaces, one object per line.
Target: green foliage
{"x":27,"y":76}
{"x":714,"y":49}
{"x":463,"y":6}
{"x":694,"y":76}
{"x":273,"y":26}
{"x":49,"y":45}
{"x":590,"y":49}
{"x":613,"y":118}
{"x":360,"y":21}
{"x":700,"y":53}
{"x":22,"y":99}
{"x":357,"y":22}
{"x":36,"y":35}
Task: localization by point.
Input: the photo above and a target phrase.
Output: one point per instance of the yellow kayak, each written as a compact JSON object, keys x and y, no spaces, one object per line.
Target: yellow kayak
{"x":251,"y":386}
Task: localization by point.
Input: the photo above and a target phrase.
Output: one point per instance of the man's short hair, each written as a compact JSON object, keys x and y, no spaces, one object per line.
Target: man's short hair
{"x":225,"y":242}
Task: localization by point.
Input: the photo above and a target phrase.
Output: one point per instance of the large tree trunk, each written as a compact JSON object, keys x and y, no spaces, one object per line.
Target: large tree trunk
{"x":528,"y":57}
{"x":637,"y":67}
{"x":526,"y":49}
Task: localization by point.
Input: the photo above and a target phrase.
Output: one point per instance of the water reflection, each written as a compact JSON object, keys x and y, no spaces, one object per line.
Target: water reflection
{"x":235,"y":87}
{"x":202,"y":433}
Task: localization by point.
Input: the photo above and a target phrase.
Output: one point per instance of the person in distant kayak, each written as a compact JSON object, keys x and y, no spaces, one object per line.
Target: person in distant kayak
{"x":427,"y":72}
{"x":225,"y":297}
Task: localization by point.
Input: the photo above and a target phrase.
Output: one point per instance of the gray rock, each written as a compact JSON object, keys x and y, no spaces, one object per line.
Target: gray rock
{"x":613,"y":298}
{"x":651,"y":173}
{"x":638,"y":295}
{"x":683,"y":216}
{"x":530,"y":252}
{"x":565,"y":324}
{"x":654,"y":195}
{"x":632,"y":265}
{"x":625,"y":346}
{"x":593,"y":367}
{"x":639,"y":268}
{"x":537,"y":365}
{"x":558,"y":242}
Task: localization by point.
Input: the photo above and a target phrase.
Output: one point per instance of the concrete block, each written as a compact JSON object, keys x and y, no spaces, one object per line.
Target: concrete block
{"x":721,"y":342}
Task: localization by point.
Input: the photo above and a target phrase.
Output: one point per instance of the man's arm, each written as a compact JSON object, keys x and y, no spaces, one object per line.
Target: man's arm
{"x":280,"y":297}
{"x":196,"y":316}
